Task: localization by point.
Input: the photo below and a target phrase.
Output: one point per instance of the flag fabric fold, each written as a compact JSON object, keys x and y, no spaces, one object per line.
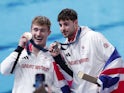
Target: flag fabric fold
{"x":62,"y":82}
{"x":112,"y":76}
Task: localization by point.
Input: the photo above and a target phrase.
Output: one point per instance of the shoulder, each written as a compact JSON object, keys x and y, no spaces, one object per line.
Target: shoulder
{"x":90,"y":33}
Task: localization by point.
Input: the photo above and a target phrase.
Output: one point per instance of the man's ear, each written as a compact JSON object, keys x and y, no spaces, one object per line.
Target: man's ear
{"x":76,"y":22}
{"x":49,"y":32}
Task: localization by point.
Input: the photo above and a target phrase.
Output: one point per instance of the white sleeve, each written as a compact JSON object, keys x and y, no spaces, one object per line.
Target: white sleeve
{"x":7,"y":64}
{"x":103,"y":46}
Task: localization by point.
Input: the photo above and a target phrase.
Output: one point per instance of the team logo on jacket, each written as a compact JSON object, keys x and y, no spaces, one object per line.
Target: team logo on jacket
{"x":33,"y":66}
{"x":68,"y":54}
{"x":26,"y":57}
{"x":106,"y":45}
{"x":80,"y":61}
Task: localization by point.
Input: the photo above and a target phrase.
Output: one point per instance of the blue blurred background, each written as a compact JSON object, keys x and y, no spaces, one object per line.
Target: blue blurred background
{"x":105,"y":16}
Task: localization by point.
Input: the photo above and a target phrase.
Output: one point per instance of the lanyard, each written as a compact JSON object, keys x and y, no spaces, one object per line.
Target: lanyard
{"x":37,"y":46}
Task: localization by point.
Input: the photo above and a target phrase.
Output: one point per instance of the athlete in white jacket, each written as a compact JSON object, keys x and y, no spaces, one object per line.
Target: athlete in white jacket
{"x":27,"y":63}
{"x":84,"y":50}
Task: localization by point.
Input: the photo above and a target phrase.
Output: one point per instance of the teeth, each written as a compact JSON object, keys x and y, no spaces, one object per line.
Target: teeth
{"x":39,"y":39}
{"x":28,"y":35}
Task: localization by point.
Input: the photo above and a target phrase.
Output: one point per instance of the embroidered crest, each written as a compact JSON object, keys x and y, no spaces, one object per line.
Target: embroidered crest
{"x":106,"y":45}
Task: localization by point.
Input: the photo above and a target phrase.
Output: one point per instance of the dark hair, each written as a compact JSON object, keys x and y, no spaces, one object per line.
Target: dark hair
{"x":41,"y":20}
{"x":67,"y":14}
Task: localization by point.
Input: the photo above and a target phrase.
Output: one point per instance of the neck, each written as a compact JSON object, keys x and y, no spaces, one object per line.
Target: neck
{"x":35,"y":50}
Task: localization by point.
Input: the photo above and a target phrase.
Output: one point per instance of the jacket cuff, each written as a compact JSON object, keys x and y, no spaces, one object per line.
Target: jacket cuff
{"x":19,"y":49}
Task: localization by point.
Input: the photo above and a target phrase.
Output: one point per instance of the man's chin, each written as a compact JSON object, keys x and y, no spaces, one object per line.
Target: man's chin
{"x":38,"y":44}
{"x":65,"y":36}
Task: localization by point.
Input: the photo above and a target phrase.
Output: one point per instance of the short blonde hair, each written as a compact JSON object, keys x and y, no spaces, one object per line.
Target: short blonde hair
{"x":41,"y":20}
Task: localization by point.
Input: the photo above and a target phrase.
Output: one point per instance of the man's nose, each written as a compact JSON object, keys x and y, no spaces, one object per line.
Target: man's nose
{"x":62,"y":28}
{"x":39,"y":32}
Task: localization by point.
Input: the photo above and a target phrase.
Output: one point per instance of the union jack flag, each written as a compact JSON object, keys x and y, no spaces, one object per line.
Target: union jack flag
{"x":112,"y":75}
{"x":64,"y":85}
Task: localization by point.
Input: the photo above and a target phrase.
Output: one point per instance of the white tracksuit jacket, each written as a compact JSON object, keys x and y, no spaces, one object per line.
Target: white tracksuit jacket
{"x":26,"y":69}
{"x":88,"y":54}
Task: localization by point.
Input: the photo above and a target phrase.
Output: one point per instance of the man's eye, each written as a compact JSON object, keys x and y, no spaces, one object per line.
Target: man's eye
{"x":66,"y":24}
{"x":60,"y":25}
{"x":35,"y":29}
